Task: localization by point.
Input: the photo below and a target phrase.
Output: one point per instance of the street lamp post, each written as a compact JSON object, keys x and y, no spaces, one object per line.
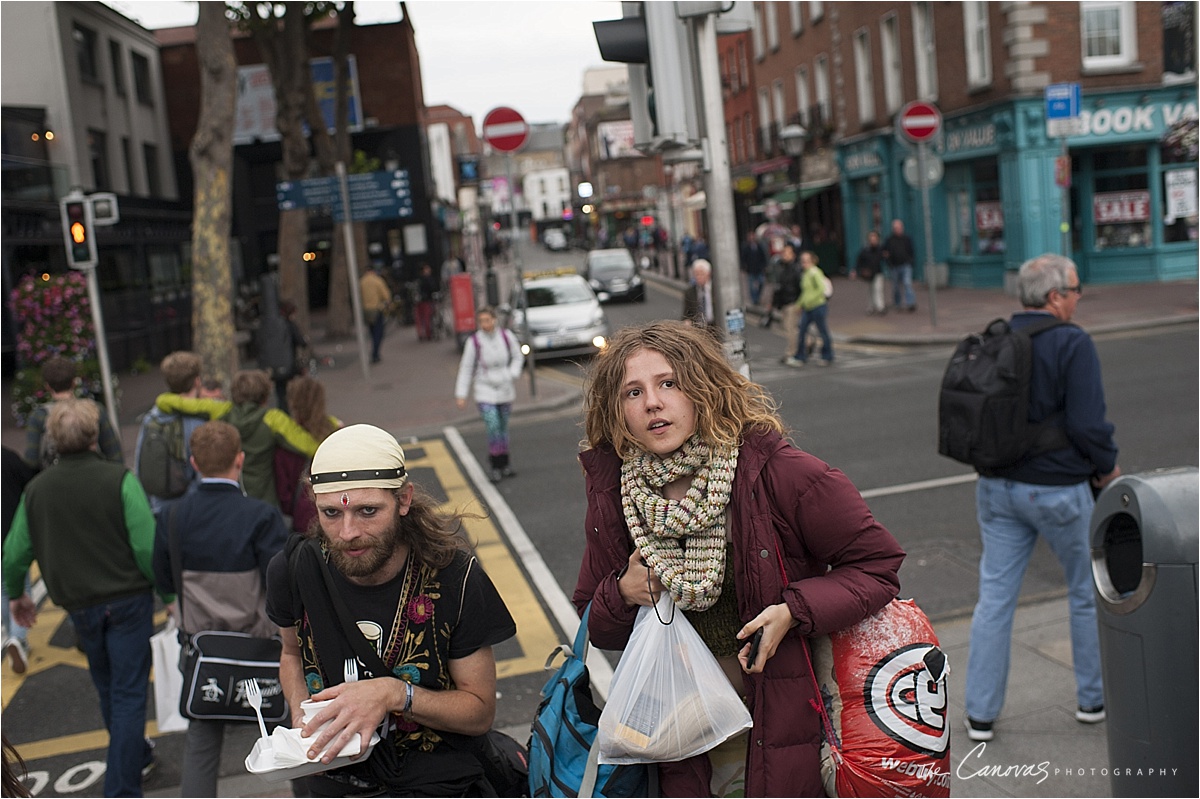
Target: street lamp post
{"x":794,"y":138}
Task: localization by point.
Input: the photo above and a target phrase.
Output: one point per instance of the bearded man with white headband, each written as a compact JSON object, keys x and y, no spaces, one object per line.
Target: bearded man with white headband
{"x":384,"y":556}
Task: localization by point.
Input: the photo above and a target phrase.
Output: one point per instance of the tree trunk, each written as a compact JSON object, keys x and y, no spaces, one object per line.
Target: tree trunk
{"x":211,"y":156}
{"x":286,"y":53}
{"x":340,"y":321}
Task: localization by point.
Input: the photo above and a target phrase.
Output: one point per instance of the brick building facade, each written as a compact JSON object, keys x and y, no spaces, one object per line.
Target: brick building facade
{"x":844,"y":70}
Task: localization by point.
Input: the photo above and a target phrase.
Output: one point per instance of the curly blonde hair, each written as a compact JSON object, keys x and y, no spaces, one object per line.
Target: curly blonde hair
{"x":727,"y":404}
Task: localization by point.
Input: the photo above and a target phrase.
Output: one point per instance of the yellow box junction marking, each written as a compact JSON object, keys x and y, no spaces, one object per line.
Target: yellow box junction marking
{"x":535,"y":634}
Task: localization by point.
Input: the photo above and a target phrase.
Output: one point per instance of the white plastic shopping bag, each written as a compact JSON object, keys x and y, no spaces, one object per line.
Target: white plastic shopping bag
{"x":168,"y":680}
{"x":669,"y":698}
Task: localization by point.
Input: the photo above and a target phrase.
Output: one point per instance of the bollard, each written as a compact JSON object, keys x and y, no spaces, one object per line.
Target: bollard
{"x":1144,"y":536}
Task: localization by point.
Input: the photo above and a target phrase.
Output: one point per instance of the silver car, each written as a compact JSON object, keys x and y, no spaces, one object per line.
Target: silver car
{"x":565,"y":318}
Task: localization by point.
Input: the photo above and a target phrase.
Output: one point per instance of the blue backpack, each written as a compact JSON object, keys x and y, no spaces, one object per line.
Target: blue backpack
{"x":563,"y":758}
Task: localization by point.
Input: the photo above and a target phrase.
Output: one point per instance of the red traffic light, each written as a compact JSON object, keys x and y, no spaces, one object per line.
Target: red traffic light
{"x":647,"y":221}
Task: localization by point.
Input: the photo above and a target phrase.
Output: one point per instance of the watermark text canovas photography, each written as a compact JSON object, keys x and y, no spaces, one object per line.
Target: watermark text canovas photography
{"x":975,"y":765}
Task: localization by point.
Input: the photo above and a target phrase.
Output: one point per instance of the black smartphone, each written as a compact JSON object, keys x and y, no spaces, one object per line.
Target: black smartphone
{"x":755,"y":642}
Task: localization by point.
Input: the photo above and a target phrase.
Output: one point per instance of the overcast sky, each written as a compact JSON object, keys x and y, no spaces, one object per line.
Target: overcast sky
{"x":526,"y":54}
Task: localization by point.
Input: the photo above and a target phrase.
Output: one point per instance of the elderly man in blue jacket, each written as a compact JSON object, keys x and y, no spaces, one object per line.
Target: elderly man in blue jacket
{"x":1047,"y":494}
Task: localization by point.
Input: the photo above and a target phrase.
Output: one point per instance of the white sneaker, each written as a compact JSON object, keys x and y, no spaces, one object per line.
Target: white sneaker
{"x":18,"y":655}
{"x":1090,"y":715}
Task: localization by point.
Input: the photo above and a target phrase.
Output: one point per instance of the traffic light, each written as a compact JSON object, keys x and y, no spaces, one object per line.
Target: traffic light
{"x":79,"y":233}
{"x":662,"y":93}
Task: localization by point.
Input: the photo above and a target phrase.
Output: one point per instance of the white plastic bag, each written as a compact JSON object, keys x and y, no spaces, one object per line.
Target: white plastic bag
{"x":168,"y":680}
{"x":669,"y":699}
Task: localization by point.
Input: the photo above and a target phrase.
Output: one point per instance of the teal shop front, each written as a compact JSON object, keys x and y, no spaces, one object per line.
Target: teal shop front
{"x":1132,"y":197}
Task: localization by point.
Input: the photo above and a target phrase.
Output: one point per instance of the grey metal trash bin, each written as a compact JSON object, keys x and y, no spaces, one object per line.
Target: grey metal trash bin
{"x":1144,"y":535}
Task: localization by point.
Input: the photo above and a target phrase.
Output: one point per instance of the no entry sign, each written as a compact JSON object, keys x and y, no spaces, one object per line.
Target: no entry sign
{"x":505,"y":129}
{"x":920,"y":122}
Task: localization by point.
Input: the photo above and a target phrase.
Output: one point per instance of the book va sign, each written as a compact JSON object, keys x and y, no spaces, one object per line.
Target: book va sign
{"x":1126,"y":119}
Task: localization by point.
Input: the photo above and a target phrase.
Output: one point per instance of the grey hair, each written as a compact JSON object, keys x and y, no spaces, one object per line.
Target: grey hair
{"x":1041,"y":275}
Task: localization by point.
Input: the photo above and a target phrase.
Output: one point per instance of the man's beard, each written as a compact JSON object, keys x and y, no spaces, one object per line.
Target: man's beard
{"x":379,"y":551}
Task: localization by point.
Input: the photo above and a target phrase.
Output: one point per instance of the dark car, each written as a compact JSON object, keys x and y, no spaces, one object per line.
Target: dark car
{"x":613,"y":275}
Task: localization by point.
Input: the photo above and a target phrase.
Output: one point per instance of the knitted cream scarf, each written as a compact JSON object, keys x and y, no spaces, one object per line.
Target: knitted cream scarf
{"x":683,"y":541}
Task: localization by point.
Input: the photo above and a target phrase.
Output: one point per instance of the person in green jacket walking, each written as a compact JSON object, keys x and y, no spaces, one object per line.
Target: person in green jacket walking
{"x":261,"y":428}
{"x":814,"y":309}
{"x":88,"y":524}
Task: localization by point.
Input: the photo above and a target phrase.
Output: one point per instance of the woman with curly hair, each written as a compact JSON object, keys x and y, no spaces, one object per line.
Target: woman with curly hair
{"x":693,"y":489}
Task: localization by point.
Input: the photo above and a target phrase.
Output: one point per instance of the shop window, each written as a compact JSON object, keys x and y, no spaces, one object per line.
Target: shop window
{"x":1179,"y":183}
{"x":1109,"y":35}
{"x":976,"y":213}
{"x":1121,"y":199}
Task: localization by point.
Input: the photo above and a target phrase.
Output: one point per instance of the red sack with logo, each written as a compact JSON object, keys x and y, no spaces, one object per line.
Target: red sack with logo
{"x":883,"y":686}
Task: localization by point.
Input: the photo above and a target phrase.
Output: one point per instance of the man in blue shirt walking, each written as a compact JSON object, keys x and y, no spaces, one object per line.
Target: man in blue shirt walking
{"x":1047,"y":494}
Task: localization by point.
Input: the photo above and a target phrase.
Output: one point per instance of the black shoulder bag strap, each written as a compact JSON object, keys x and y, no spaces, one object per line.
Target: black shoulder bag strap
{"x":349,"y":629}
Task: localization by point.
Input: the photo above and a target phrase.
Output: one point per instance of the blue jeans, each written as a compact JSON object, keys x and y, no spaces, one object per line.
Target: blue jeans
{"x":820,"y":317}
{"x":115,"y":636}
{"x":902,"y":282}
{"x":377,"y":325}
{"x":755,"y":284}
{"x":1011,"y":517}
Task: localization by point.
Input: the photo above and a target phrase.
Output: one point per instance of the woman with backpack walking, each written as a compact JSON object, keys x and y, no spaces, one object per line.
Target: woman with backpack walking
{"x":491,"y":363}
{"x":693,"y":489}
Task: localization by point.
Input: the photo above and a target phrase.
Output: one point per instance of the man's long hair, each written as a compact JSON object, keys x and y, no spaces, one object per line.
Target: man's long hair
{"x":727,"y":404}
{"x":433,"y":536}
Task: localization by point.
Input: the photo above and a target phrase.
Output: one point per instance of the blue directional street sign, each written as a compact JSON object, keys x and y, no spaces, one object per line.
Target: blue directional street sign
{"x":1063,"y":100}
{"x":373,"y":195}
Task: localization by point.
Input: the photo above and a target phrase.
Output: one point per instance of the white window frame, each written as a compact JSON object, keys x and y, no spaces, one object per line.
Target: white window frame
{"x":1127,"y":35}
{"x":925,"y":51}
{"x":816,"y":10}
{"x":756,"y":33}
{"x":821,"y":77}
{"x":771,"y":15}
{"x":803,"y":98}
{"x":797,"y":17}
{"x":764,"y":119}
{"x":889,"y":44}
{"x":864,"y":81}
{"x":744,"y":65}
{"x":977,"y":43}
{"x":748,"y":134}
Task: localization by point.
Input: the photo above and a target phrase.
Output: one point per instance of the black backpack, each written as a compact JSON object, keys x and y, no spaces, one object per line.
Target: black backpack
{"x":161,"y":464}
{"x":983,"y":407}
